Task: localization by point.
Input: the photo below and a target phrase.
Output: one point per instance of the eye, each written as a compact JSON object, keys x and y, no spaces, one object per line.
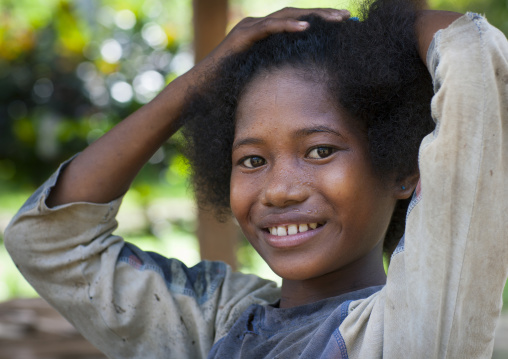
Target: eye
{"x":321,"y":152}
{"x":253,"y":162}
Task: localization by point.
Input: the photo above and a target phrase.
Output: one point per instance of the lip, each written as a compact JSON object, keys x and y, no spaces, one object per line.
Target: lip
{"x":292,"y":240}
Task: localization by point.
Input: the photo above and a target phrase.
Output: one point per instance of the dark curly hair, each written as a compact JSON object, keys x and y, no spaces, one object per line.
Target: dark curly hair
{"x":371,"y":69}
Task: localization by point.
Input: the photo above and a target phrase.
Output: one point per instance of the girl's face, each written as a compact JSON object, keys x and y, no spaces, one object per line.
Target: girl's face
{"x":302,"y":186}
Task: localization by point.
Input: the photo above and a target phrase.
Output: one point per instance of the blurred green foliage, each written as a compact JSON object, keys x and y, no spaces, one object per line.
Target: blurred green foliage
{"x":495,"y":10}
{"x":70,"y":70}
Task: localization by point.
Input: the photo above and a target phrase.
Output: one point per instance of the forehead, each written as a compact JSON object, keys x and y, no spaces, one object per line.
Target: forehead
{"x":287,"y":98}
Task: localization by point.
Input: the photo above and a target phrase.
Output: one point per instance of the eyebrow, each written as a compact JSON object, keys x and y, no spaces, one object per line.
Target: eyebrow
{"x":303,"y":132}
{"x":247,"y":141}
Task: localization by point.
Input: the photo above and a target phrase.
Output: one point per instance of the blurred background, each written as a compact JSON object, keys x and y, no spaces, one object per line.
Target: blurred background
{"x":70,"y":70}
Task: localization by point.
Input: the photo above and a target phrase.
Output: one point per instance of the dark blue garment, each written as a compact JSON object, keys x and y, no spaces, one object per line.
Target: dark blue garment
{"x":308,"y":331}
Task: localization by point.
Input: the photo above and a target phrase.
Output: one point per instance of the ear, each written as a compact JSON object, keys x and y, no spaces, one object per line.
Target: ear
{"x":404,"y":188}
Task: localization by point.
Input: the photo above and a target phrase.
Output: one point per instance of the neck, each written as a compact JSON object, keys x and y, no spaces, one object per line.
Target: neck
{"x":365,"y":272}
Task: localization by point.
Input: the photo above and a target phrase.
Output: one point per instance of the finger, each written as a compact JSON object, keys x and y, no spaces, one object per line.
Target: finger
{"x":271,"y":25}
{"x":325,"y":13}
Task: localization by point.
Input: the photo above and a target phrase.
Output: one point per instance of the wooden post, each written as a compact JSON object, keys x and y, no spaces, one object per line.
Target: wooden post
{"x":217,"y":241}
{"x":210,"y":21}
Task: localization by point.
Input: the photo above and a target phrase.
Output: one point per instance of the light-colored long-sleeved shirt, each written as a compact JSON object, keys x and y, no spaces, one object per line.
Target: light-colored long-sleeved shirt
{"x":443,"y":294}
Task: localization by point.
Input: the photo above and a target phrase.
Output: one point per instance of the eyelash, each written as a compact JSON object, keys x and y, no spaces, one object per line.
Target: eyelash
{"x":332,"y":150}
{"x":245,"y":159}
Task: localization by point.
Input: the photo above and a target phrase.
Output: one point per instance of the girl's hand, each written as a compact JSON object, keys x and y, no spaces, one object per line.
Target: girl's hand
{"x":250,"y":30}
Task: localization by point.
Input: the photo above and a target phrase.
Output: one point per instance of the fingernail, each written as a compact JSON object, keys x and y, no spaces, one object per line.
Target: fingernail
{"x":303,"y":24}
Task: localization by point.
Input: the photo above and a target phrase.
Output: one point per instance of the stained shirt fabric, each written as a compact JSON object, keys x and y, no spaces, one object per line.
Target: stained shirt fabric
{"x":307,"y":331}
{"x":443,"y":294}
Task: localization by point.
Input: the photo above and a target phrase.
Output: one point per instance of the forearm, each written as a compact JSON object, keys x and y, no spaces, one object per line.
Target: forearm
{"x":105,"y":169}
{"x":429,"y":22}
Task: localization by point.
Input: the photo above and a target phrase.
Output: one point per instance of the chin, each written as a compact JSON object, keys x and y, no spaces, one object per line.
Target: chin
{"x":294,"y":273}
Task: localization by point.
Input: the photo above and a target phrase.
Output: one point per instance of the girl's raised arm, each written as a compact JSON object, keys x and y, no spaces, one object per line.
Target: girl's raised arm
{"x":443,"y":294}
{"x":453,"y":257}
{"x":105,"y":170}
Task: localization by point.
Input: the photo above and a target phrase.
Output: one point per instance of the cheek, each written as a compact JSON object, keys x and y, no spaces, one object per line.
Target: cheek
{"x":351,"y":189}
{"x":339,"y":181}
{"x":241,"y":196}
{"x":235,"y":200}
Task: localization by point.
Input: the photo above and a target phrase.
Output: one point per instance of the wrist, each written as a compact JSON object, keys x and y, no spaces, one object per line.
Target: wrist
{"x":428,"y":22}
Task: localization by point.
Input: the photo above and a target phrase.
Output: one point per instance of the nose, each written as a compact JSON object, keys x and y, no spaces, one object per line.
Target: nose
{"x":284,"y":186}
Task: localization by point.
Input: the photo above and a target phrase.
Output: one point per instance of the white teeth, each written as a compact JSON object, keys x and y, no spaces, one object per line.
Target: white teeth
{"x":291,"y":229}
{"x":303,"y":228}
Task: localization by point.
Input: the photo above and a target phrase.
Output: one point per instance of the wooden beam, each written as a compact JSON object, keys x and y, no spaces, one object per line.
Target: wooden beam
{"x":217,"y":241}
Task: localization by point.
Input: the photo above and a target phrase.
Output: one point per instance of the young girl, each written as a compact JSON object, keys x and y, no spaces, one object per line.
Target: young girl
{"x":308,"y":131}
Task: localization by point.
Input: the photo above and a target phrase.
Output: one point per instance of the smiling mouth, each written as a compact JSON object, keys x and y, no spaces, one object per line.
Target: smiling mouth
{"x":291,"y":229}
